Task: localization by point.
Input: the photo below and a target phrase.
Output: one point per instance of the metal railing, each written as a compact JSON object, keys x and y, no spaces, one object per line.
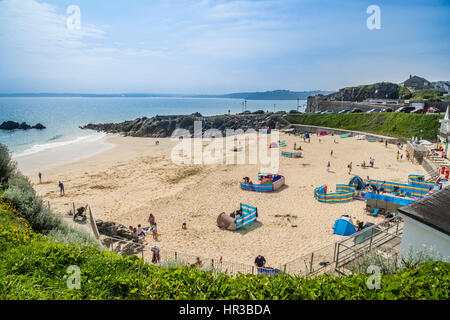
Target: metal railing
{"x":336,"y":255}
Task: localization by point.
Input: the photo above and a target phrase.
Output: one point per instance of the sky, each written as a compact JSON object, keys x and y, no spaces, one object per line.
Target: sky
{"x":218,"y":46}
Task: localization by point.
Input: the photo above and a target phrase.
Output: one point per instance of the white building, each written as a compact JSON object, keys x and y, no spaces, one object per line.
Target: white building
{"x":427,"y":223}
{"x":444,"y":132}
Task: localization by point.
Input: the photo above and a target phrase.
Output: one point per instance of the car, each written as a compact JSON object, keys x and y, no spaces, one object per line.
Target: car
{"x":294,"y":111}
{"x":246,"y":112}
{"x":281,"y":112}
{"x":405,"y":109}
{"x":258,"y":112}
{"x":375,"y":110}
{"x":386,"y":110}
{"x":356,"y":110}
{"x":432,"y":110}
{"x":419,"y":111}
{"x":328,"y":112}
{"x":344,"y":111}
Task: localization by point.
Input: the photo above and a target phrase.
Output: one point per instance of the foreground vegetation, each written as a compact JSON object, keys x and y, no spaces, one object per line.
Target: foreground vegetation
{"x":402,"y":125}
{"x":37,"y":252}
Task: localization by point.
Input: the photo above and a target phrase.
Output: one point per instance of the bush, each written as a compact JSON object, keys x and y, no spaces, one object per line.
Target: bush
{"x":19,"y":192}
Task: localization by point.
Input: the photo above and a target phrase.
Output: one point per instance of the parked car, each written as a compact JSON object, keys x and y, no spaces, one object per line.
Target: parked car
{"x":258,"y":112}
{"x":281,"y":112}
{"x":344,"y":111}
{"x":375,"y":110}
{"x":432,"y":110}
{"x":246,"y":112}
{"x":405,"y":109}
{"x":294,"y":111}
{"x":356,"y":110}
{"x":419,"y":111}
{"x":387,"y":110}
{"x":328,"y":112}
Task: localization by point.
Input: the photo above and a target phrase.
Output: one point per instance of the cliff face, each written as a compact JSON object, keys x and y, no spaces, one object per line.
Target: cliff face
{"x":163,"y":126}
{"x":381,"y":90}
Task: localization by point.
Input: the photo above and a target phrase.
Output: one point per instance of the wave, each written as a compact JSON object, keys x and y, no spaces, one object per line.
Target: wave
{"x":52,"y":145}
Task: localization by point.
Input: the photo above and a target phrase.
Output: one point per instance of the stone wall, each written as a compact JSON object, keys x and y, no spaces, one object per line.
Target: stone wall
{"x":319,"y":104}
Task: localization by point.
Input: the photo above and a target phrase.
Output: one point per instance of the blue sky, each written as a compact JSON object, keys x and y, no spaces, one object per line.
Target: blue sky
{"x":206,"y":46}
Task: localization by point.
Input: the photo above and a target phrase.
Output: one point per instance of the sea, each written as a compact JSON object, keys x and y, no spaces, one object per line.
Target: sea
{"x":63,"y":141}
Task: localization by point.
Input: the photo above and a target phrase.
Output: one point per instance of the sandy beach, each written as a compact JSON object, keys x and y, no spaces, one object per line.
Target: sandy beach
{"x":137,"y":177}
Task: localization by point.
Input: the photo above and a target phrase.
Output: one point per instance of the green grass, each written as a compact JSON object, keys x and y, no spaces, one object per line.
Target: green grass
{"x":427,"y":94}
{"x":401,"y":125}
{"x":32,"y":266}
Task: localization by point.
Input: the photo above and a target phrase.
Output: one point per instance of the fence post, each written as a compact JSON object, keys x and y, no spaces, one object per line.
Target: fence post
{"x":175,"y":256}
{"x":253,"y":270}
{"x":212,"y":263}
{"x":338,"y":245}
{"x":73,"y":206}
{"x":311,"y":263}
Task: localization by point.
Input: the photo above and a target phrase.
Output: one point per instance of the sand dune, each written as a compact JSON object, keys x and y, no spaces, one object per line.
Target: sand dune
{"x":135,"y":178}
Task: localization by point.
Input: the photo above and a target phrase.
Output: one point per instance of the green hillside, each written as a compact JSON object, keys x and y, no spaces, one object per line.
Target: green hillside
{"x":402,"y":125}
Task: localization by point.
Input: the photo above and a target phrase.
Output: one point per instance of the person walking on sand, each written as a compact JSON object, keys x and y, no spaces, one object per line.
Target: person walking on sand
{"x":331,"y":153}
{"x":151,"y":219}
{"x":61,"y":188}
{"x":398,"y":155}
{"x":372,"y":162}
{"x":328,"y":166}
{"x":349,"y":168}
{"x":40,"y":177}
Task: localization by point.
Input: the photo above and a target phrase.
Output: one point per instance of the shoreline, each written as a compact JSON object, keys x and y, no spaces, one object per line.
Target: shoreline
{"x":62,"y":153}
{"x":136,"y":177}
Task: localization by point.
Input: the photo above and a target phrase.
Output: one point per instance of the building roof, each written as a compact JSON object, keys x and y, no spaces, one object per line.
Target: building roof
{"x":432,"y":210}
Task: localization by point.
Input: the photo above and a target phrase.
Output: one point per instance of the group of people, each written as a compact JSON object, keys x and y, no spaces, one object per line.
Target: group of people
{"x":141,"y":232}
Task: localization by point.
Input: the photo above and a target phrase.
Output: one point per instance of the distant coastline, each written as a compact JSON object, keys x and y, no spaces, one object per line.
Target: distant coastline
{"x":267,"y":95}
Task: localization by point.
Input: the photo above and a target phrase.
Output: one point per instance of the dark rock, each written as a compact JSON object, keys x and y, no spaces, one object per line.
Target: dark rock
{"x":164,"y":126}
{"x":12,"y":125}
{"x":9,"y":125}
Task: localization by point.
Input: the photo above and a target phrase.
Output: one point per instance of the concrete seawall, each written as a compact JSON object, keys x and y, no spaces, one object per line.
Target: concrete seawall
{"x":300,"y":128}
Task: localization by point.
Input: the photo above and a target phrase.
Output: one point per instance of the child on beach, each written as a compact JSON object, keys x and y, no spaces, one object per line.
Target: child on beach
{"x":183,"y":226}
{"x":328,"y":166}
{"x":40,"y":177}
{"x":349,"y":168}
{"x":331,"y":152}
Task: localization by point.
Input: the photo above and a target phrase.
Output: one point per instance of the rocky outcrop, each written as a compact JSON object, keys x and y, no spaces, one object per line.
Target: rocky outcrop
{"x":163,"y":126}
{"x":113,"y":229}
{"x":381,"y":90}
{"x":11,"y":125}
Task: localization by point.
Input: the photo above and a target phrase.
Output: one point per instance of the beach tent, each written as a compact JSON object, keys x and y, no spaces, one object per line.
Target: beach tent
{"x":357,"y":182}
{"x":282,"y":144}
{"x":344,"y":226}
{"x":273,"y":145}
{"x":371,"y":139}
{"x":322,"y":133}
{"x":345,"y":135}
{"x":360,"y":137}
{"x":266,"y":130}
{"x":306,"y":134}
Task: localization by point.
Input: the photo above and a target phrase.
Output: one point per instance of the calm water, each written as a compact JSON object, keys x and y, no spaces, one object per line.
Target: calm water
{"x":63,"y":116}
